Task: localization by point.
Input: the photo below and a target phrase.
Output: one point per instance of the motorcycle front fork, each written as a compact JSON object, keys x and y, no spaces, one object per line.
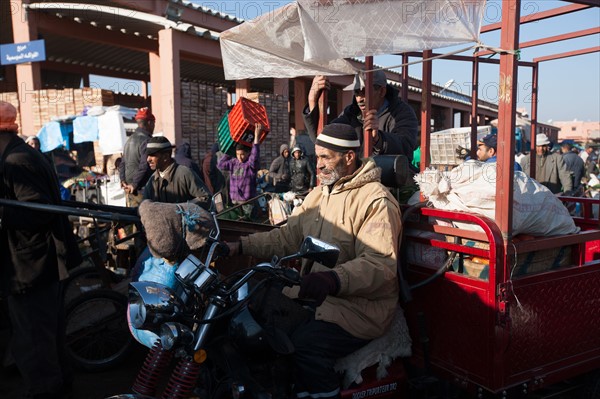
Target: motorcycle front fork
{"x":182,"y":380}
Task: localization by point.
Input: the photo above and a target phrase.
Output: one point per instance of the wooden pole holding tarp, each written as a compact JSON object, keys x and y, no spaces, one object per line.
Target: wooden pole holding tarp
{"x":533,"y":127}
{"x":474,"y":103}
{"x":322,"y":104}
{"x":368,"y":138}
{"x":426,"y":110}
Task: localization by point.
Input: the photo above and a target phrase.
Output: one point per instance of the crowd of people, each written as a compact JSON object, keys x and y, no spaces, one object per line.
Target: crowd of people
{"x":366,"y":231}
{"x":352,"y":303}
{"x":561,"y":167}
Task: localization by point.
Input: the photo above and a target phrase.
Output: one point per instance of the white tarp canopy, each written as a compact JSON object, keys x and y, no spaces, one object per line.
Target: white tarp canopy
{"x":310,"y":37}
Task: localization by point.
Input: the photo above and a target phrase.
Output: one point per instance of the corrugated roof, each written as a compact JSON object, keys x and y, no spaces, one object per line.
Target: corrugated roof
{"x":224,"y":16}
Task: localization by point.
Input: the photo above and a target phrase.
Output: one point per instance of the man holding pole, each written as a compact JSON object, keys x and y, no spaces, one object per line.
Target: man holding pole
{"x":392,"y":123}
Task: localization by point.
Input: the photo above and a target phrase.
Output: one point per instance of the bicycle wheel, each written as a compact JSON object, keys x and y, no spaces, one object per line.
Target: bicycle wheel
{"x":85,"y":279}
{"x":97,"y":332}
{"x":82,"y":280}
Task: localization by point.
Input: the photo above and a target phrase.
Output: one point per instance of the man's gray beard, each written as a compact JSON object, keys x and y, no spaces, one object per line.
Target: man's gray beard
{"x":331,"y":178}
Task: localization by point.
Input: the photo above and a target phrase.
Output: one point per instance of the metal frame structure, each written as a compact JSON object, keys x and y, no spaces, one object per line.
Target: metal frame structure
{"x":509,"y":26}
{"x":479,"y":333}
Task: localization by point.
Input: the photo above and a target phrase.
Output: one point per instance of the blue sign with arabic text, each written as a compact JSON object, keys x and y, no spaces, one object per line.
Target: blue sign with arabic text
{"x":19,"y":53}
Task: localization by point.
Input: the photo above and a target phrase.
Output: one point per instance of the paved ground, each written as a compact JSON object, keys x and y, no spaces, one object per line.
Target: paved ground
{"x":87,"y":385}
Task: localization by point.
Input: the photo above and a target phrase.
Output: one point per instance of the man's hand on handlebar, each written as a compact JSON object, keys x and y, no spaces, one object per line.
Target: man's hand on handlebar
{"x":318,"y":285}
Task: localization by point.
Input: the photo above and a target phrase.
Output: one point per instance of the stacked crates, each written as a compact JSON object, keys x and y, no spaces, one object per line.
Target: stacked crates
{"x":226,"y":143}
{"x":443,"y":144}
{"x":242,"y":119}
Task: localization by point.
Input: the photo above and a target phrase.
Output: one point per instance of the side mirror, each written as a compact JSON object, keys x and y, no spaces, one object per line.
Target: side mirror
{"x":319,"y":251}
{"x":216,"y":207}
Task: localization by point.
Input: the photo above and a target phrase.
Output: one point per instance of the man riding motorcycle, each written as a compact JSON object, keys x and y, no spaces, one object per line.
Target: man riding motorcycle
{"x":354,"y":302}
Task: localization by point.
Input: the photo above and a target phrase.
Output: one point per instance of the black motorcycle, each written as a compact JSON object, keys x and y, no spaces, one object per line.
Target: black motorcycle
{"x":211,"y":325}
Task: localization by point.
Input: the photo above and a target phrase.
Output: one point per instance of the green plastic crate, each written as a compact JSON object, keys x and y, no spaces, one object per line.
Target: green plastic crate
{"x":226,"y":143}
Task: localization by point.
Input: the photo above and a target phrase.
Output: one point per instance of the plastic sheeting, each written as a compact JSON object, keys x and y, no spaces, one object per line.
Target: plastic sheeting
{"x":311,"y":37}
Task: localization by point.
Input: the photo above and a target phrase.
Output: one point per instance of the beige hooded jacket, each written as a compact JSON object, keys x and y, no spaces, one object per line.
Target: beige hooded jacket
{"x":362,"y":218}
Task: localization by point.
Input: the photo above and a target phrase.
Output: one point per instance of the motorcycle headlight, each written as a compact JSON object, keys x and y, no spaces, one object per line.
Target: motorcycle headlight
{"x":137,"y":311}
{"x":151,"y":304}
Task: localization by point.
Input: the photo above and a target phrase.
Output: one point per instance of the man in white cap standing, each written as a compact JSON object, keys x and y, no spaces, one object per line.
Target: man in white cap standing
{"x":550,"y":168}
{"x":392,"y":123}
{"x":353,"y":302}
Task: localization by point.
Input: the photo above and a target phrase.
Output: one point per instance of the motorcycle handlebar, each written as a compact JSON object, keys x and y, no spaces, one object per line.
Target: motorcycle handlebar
{"x":288,"y":275}
{"x":291,"y":276}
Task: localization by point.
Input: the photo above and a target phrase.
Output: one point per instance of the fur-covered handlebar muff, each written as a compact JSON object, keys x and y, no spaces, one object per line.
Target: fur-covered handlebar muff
{"x":172,"y":230}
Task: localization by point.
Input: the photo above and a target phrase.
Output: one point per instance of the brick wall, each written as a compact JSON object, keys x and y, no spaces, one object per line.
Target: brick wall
{"x":277,"y":112}
{"x":202,"y":107}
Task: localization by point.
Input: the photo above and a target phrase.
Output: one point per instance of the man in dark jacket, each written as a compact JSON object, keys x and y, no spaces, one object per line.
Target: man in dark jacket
{"x":301,"y":171}
{"x":392,"y":123}
{"x":574,"y":163}
{"x":171,"y":182}
{"x":134,"y":170}
{"x":36,"y":248}
{"x":279,"y":171}
{"x":183,"y":156}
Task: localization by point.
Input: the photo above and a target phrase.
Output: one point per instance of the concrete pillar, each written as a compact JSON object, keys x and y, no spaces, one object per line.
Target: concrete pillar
{"x":448,"y":118}
{"x":28,"y":74}
{"x":144,"y":89}
{"x":347,"y":98}
{"x":170,"y":88}
{"x":155,"y":87}
{"x":242,"y":88}
{"x":465,"y":118}
{"x":281,"y":87}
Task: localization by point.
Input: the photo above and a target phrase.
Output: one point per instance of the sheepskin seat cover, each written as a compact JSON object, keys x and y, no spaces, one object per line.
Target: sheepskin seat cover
{"x":382,"y":351}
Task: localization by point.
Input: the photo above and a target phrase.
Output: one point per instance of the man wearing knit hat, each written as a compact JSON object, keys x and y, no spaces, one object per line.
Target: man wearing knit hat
{"x":171,"y":182}
{"x":354,"y":302}
{"x":391,"y":122}
{"x":134,"y":170}
{"x":36,"y":248}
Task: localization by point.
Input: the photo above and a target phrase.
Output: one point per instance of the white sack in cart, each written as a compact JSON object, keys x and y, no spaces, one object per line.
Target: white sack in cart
{"x":471,"y":187}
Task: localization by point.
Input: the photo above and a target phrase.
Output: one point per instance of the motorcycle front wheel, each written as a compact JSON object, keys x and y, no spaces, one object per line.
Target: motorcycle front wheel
{"x":97,"y":334}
